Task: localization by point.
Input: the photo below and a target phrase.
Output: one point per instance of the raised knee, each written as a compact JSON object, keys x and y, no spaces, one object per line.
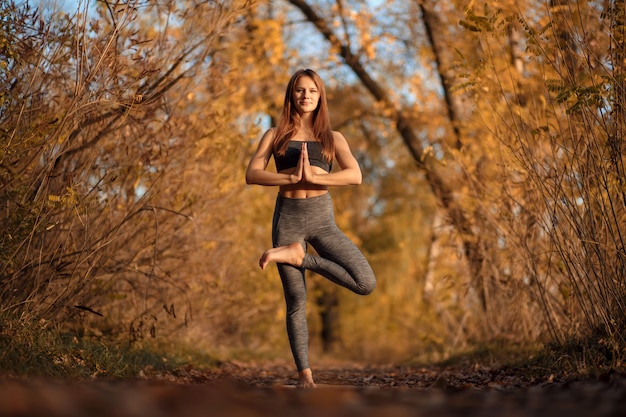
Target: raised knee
{"x":367,"y":289}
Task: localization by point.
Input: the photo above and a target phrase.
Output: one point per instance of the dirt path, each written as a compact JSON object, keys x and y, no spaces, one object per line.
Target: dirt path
{"x":245,"y":390}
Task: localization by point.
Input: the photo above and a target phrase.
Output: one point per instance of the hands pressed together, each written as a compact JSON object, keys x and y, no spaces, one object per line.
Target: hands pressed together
{"x":304,"y":173}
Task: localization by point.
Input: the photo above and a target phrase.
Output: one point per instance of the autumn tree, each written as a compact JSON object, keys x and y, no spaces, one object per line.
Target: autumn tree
{"x":556,"y":120}
{"x":509,"y":162}
{"x":490,"y":137}
{"x":111,"y":114}
{"x":432,"y":126}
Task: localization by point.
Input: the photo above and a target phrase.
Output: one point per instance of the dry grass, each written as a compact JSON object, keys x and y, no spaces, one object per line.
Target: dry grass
{"x":40,"y":349}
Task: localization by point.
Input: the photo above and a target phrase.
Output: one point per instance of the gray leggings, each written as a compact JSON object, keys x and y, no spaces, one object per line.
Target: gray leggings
{"x":312,"y":220}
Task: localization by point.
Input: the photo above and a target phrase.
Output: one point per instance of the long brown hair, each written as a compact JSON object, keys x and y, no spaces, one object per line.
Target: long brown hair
{"x":290,"y":118}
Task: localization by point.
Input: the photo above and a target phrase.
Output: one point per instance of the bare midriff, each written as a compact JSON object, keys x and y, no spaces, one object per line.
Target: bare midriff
{"x":301,"y":190}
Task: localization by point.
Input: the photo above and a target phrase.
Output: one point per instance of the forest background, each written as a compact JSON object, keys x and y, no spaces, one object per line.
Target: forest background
{"x":490,"y":134}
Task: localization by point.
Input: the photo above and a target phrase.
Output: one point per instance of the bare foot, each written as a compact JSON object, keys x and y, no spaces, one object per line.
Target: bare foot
{"x":305,"y":378}
{"x":292,"y":254}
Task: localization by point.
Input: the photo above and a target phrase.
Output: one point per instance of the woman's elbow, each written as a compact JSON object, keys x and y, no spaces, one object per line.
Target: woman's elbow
{"x":250,"y":178}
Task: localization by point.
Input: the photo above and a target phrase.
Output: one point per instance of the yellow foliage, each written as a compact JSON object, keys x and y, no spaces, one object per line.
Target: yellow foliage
{"x":177,"y":152}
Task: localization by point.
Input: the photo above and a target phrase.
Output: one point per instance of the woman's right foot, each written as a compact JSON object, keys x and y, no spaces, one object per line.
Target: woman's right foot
{"x":305,"y":379}
{"x":292,"y":254}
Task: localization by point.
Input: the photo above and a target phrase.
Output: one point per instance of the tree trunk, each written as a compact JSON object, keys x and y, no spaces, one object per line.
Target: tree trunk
{"x":328,"y":304}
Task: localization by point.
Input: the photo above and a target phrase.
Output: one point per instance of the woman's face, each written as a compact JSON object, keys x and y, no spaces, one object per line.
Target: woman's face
{"x":306,"y":95}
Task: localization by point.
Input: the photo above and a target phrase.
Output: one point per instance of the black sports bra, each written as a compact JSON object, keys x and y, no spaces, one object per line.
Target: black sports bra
{"x":292,"y":156}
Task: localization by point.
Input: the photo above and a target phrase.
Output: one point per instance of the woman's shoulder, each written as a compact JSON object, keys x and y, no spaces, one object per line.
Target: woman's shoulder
{"x":338,"y":137}
{"x":269,"y":134}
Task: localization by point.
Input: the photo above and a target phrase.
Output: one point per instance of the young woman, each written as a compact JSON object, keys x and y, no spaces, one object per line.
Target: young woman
{"x":304,"y":147}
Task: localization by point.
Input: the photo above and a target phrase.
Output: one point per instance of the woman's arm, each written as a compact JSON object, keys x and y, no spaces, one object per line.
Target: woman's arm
{"x":350,"y":173}
{"x":256,"y":172}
